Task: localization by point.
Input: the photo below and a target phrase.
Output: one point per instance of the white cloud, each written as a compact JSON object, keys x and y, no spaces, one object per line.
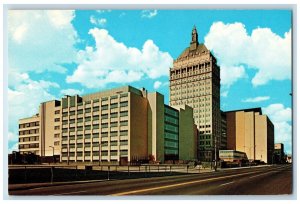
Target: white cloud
{"x":263,"y":51}
{"x":256,"y":99}
{"x":148,"y":13}
{"x":41,"y":40}
{"x":281,"y":118}
{"x":24,"y":99}
{"x":95,"y":21}
{"x":71,"y":92}
{"x":157,"y":84}
{"x":113,"y":62}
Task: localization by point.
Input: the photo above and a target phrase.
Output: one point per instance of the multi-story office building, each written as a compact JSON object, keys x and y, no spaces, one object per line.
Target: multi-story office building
{"x":29,"y":135}
{"x":195,"y":81}
{"x":118,"y":125}
{"x":251,"y":132}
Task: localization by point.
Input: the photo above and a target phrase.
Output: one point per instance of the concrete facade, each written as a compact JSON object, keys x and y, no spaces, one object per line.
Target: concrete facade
{"x":119,"y":125}
{"x":251,"y":132}
{"x":195,"y":81}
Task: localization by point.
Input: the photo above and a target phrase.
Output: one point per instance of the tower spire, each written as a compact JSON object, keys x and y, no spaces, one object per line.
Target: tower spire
{"x":194,"y":42}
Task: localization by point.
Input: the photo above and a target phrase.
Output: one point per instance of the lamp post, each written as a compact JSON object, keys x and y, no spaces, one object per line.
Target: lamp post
{"x":52,"y":153}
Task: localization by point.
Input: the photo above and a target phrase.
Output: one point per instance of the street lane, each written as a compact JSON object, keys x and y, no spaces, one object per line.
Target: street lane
{"x":254,"y":181}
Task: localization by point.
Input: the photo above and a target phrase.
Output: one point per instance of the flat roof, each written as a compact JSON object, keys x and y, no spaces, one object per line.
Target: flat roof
{"x":257,"y":109}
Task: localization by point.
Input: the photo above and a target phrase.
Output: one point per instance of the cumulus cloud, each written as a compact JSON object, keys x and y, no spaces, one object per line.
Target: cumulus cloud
{"x":24,"y":99}
{"x":41,"y":40}
{"x":256,"y":99}
{"x":281,"y":118}
{"x":71,"y":92}
{"x":262,"y":50}
{"x":157,"y":84}
{"x":113,"y":62}
{"x":96,"y":21}
{"x":148,"y":13}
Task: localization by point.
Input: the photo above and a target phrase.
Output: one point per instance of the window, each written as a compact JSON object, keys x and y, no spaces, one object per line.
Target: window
{"x":95,"y":135}
{"x":104,"y":143}
{"x":65,"y":114}
{"x":114,"y":143}
{"x":123,"y":95}
{"x":87,"y":153}
{"x":114,"y":97}
{"x":113,"y":115}
{"x":124,"y":104}
{"x":86,"y":119}
{"x":79,"y":136}
{"x":96,"y":117}
{"x":95,"y":144}
{"x":104,"y":98}
{"x":72,"y":121}
{"x":104,"y":153}
{"x":57,"y":112}
{"x":104,"y":125}
{"x":88,"y":110}
{"x":79,"y":120}
{"x":80,"y":128}
{"x":96,"y":100}
{"x":87,"y":127}
{"x":124,"y":152}
{"x":87,"y":136}
{"x":104,"y":116}
{"x":124,"y":113}
{"x":72,"y":129}
{"x":95,"y":126}
{"x":113,"y":152}
{"x":123,"y":132}
{"x":56,"y":135}
{"x":80,"y":111}
{"x":124,"y":123}
{"x":104,"y":134}
{"x":104,"y":107}
{"x":114,"y":124}
{"x":56,"y":127}
{"x":87,"y":144}
{"x":123,"y":142}
{"x":114,"y":105}
{"x":96,"y":109}
{"x":114,"y":133}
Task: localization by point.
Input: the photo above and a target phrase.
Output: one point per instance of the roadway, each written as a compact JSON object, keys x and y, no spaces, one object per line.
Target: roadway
{"x":268,"y":180}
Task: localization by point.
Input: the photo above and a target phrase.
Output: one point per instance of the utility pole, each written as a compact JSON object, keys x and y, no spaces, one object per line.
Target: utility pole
{"x":215,"y":152}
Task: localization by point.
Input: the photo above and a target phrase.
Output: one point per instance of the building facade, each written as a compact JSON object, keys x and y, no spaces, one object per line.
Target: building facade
{"x":251,"y":132}
{"x":279,"y":153}
{"x":195,"y":81}
{"x":119,"y":125}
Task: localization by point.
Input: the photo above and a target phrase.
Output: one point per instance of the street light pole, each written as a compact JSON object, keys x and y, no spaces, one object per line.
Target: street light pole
{"x":52,"y":152}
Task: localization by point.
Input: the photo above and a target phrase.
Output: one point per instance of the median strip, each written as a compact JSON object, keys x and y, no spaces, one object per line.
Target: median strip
{"x":176,"y":185}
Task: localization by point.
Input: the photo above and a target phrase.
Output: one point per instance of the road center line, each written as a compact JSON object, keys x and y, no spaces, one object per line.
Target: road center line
{"x":227,"y":183}
{"x":69,"y":193}
{"x":178,"y":184}
{"x":261,"y":174}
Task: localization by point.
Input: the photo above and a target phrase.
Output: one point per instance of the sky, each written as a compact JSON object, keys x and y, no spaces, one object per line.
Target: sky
{"x":53,"y":53}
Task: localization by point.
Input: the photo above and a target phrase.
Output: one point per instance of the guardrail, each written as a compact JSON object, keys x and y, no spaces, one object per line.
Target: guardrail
{"x":59,"y":172}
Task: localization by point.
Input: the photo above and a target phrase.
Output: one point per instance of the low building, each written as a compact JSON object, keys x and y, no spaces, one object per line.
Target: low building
{"x":250,"y":131}
{"x":232,"y":156}
{"x":120,"y":125}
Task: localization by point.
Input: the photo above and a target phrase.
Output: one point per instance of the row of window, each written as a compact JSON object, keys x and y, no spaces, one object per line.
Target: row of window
{"x":96,"y":135}
{"x":96,"y":144}
{"x":28,"y":139}
{"x":31,"y":124}
{"x":27,"y":146}
{"x":95,"y":153}
{"x":27,"y":132}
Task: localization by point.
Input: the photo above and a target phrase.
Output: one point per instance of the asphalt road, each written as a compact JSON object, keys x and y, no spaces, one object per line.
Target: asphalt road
{"x":271,"y":180}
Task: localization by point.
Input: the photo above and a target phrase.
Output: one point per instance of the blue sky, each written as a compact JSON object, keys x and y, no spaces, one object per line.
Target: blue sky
{"x":52,"y":53}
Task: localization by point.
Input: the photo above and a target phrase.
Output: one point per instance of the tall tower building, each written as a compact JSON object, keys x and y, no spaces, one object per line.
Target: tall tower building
{"x":195,"y":81}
